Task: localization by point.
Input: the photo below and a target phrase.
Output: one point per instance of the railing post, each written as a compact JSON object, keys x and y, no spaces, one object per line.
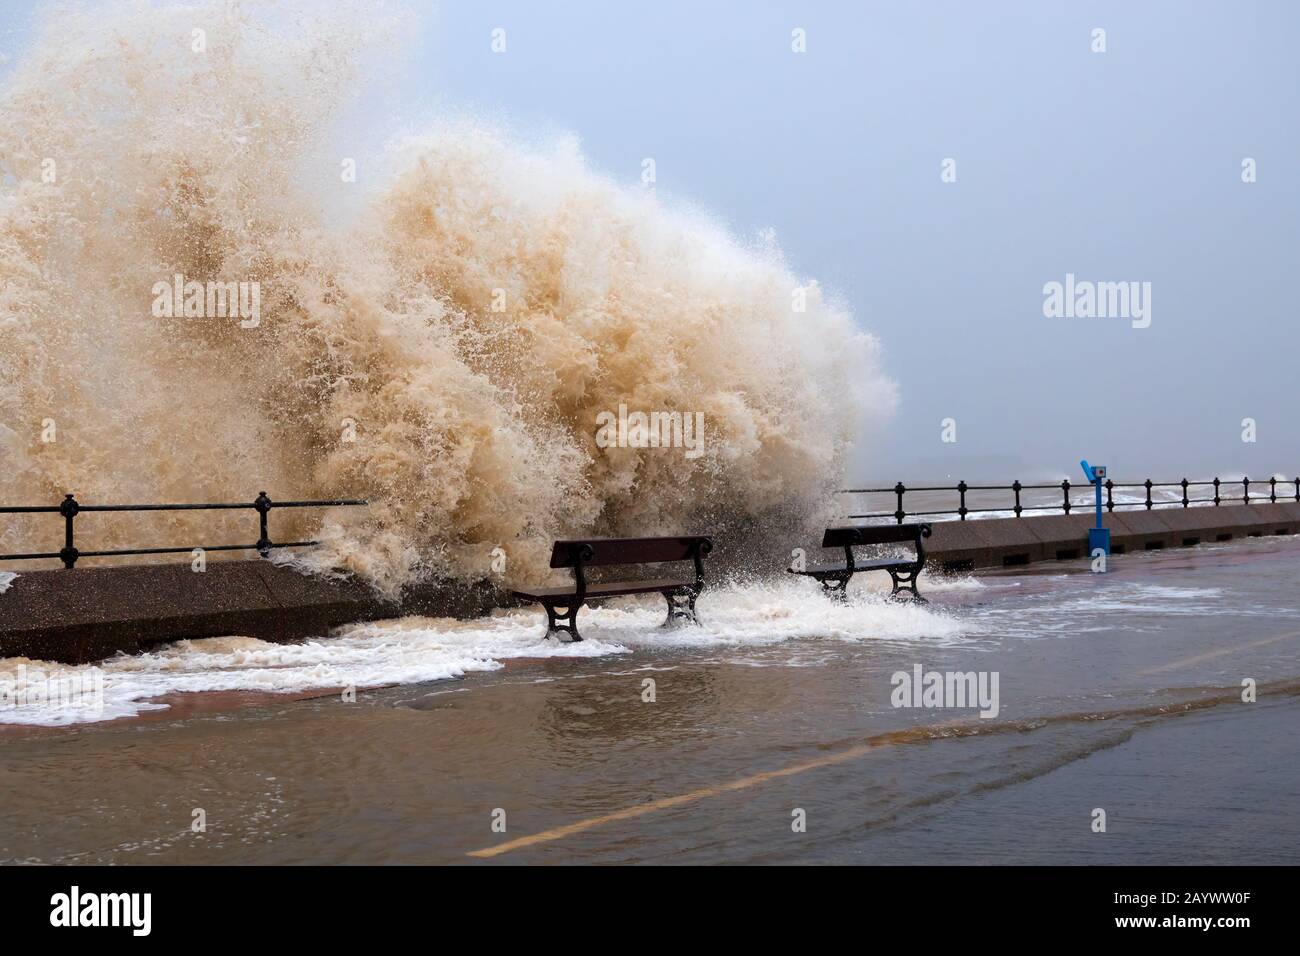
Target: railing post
{"x":1110,"y":498}
{"x":1216,"y":492}
{"x":68,"y":507}
{"x":1297,"y":489}
{"x":263,"y":505}
{"x":900,"y":514}
{"x":1245,"y":493}
{"x":1065,"y":489}
{"x":1148,"y":483}
{"x":1272,"y":489}
{"x":1016,"y":486}
{"x":1185,"y":493}
{"x":961,"y":487}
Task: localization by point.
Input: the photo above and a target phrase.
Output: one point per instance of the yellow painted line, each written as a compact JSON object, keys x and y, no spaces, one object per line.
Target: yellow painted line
{"x":694,"y":796}
{"x":667,"y":803}
{"x":1211,"y":655}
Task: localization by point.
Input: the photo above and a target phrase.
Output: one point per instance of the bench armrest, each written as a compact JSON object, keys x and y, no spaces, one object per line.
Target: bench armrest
{"x":923,"y":531}
{"x":585,"y":553}
{"x":698,"y":552}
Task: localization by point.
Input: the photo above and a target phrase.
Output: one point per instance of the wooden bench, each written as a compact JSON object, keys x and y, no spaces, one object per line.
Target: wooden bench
{"x":835,"y":577}
{"x":562,"y":602}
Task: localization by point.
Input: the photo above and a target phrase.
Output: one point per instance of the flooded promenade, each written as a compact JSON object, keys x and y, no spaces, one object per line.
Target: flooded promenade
{"x":769,"y":734}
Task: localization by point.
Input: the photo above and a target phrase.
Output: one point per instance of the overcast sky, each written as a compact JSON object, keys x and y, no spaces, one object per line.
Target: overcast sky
{"x":1117,"y":166}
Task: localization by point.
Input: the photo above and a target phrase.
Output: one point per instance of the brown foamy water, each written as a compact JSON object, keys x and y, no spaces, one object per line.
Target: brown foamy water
{"x":439,"y":336}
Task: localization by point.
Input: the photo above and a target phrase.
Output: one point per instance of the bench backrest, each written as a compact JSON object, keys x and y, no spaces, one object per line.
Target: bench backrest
{"x":566,"y":554}
{"x":874,"y":534}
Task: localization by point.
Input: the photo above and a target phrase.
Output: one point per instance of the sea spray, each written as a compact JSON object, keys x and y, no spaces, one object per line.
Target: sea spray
{"x":743,"y":618}
{"x":444,"y":351}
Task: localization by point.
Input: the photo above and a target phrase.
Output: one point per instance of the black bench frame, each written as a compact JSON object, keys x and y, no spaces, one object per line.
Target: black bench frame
{"x":562,"y":604}
{"x":835,"y":578}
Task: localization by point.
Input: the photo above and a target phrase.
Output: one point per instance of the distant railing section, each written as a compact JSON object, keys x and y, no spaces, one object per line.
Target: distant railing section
{"x":69,"y":508}
{"x":1017,"y":508}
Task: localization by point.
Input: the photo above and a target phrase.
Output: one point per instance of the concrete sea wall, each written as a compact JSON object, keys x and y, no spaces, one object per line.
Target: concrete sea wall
{"x":86,"y":614}
{"x":1007,"y":542}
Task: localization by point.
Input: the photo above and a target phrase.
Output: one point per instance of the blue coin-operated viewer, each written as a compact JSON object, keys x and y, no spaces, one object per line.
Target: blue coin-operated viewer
{"x":1098,"y":537}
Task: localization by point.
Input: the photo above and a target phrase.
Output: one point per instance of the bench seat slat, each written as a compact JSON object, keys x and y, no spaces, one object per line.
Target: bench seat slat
{"x":604,"y":588}
{"x":604,"y":551}
{"x":873,"y":534}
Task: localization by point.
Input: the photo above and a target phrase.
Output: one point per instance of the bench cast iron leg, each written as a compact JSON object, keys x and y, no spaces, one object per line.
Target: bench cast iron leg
{"x":681,"y":606}
{"x":566,"y":620}
{"x":906,"y":581}
{"x":836,"y":586}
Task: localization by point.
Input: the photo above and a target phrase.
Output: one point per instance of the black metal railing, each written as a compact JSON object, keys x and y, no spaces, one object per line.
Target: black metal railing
{"x":69,"y":508}
{"x":1016,"y":507}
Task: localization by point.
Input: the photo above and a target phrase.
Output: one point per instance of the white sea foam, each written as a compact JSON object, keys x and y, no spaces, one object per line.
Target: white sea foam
{"x":6,"y":579}
{"x":419,"y":650}
{"x":1106,"y":605}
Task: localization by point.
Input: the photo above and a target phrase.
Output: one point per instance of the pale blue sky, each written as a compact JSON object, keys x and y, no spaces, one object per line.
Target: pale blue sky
{"x":1117,"y":166}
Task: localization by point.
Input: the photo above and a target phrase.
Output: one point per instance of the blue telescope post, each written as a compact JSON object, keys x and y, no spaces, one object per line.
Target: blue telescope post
{"x":1098,"y":537}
